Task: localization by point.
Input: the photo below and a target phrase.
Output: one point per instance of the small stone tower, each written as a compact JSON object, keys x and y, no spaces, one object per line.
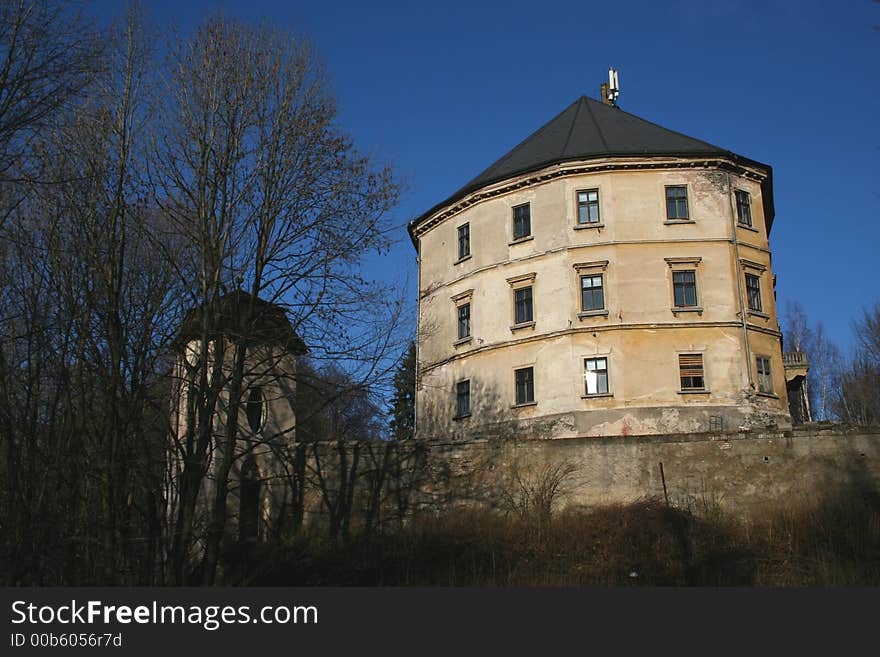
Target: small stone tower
{"x":258,"y":348}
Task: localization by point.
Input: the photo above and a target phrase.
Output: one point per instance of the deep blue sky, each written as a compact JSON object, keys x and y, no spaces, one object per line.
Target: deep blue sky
{"x":442,"y":90}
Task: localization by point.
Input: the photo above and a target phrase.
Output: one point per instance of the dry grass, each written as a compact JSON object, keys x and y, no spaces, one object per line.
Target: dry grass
{"x":835,"y":542}
{"x":831,"y":542}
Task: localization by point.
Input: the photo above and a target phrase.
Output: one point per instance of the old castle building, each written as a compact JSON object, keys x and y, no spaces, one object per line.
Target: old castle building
{"x":607,"y":276}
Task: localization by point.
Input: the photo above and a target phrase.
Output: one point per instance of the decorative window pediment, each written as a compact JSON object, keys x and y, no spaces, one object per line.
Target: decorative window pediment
{"x":686,"y":262}
{"x":596,"y":265}
{"x":463,"y":297}
{"x":523,"y":279}
{"x":751,"y":264}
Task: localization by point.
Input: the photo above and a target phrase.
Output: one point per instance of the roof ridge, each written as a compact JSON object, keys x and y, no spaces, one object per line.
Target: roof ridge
{"x":579,"y":101}
{"x":675,"y":132}
{"x":596,"y":123}
{"x":509,"y":154}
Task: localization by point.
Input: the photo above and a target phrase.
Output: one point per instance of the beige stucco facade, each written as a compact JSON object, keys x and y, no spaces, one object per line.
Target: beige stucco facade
{"x":638,"y":329}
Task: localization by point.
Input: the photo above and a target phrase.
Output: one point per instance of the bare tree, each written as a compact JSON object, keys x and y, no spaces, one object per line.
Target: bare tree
{"x":269,"y":196}
{"x":87,"y":316}
{"x":48,"y":56}
{"x":867,"y":330}
{"x":157,"y":199}
{"x":798,"y":335}
{"x":859,"y":397}
{"x":823,"y":355}
{"x":826,"y":364}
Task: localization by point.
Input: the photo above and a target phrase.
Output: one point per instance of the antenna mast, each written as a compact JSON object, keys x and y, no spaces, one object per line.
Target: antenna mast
{"x":613,"y":86}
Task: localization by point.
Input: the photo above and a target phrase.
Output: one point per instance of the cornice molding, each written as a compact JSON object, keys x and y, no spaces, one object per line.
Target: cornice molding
{"x":536,"y":337}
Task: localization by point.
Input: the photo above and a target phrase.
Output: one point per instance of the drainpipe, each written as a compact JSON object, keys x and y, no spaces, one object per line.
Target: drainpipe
{"x":740,"y":283}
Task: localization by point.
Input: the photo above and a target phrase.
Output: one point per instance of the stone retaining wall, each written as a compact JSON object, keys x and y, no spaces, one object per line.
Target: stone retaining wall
{"x":740,"y":472}
{"x":353,"y":485}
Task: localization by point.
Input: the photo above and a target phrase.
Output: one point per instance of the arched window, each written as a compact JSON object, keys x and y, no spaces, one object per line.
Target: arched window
{"x":255,"y":409}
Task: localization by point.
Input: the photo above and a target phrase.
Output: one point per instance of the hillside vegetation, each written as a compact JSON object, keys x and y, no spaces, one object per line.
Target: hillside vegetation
{"x":835,"y":542}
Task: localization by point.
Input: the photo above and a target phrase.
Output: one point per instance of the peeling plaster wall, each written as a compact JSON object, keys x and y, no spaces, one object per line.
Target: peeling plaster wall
{"x":640,"y":334}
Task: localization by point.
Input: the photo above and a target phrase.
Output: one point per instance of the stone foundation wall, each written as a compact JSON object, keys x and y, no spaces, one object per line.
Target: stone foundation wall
{"x":740,"y":472}
{"x":352,"y":486}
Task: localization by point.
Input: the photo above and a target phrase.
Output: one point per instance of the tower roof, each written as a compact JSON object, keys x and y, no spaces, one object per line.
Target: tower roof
{"x":242,"y":316}
{"x":589,"y":129}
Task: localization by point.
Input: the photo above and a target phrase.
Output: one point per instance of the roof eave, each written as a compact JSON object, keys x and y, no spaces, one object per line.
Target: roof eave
{"x":766,"y":186}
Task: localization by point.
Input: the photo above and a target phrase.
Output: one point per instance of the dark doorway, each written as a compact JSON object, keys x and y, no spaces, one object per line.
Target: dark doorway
{"x":249,"y":501}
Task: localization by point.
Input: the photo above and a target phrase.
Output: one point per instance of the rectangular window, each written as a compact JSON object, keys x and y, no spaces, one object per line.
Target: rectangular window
{"x":592,"y":293}
{"x":462,"y":398}
{"x":522,"y":303}
{"x":753,"y":291}
{"x":525,"y":385}
{"x":676,"y":203}
{"x":596,"y":376}
{"x":464,"y":321}
{"x":691,"y":371}
{"x":684,"y":285}
{"x":765,"y":381}
{"x":743,"y":208}
{"x":522,"y":221}
{"x":464,"y":241}
{"x":588,"y":206}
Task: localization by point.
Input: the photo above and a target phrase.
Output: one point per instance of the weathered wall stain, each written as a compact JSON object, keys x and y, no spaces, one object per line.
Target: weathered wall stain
{"x":741,"y":472}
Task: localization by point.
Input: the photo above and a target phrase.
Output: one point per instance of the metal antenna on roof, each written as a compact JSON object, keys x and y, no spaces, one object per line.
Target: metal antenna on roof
{"x":613,"y":86}
{"x":609,"y":91}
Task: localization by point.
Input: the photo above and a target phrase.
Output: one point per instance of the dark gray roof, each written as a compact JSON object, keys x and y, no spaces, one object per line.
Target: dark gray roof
{"x":588,"y":129}
{"x":242,"y":316}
